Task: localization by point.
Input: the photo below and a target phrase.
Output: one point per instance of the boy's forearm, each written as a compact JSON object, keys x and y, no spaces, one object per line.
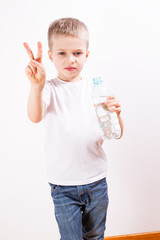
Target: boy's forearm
{"x":121,"y":126}
{"x":36,"y":107}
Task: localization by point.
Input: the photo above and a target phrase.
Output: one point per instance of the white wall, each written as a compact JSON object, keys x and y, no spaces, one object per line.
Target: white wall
{"x":125,"y":51}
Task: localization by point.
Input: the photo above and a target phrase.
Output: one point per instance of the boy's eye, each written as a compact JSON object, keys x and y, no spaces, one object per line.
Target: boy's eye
{"x":77,"y":53}
{"x":62,"y":53}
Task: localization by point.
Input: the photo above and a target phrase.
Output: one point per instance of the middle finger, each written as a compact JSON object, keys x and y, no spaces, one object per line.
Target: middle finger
{"x":39,"y":52}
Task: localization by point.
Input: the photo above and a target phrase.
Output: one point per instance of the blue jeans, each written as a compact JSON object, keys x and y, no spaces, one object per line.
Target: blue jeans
{"x":81,"y":210}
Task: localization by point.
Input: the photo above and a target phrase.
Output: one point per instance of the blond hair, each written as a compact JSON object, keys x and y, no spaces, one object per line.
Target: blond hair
{"x":68,"y":27}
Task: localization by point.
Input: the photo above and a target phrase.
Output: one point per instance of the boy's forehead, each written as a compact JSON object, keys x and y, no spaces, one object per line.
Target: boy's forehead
{"x":68,"y":42}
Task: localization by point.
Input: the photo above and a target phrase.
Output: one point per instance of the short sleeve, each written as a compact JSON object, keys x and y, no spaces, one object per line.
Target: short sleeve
{"x":47,"y":93}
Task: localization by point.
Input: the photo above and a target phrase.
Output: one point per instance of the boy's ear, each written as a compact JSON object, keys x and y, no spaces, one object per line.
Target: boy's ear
{"x":87,"y":55}
{"x":50,"y":55}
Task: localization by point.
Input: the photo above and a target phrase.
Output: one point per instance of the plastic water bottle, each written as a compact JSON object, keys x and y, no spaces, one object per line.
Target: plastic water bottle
{"x":108,"y":119}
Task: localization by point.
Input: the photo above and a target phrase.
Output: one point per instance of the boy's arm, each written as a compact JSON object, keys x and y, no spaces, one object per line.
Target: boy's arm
{"x":35,"y":71}
{"x":121,"y":126}
{"x":36,"y":105}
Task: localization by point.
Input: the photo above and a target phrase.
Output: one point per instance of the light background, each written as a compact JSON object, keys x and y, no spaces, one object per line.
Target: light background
{"x":125,"y":51}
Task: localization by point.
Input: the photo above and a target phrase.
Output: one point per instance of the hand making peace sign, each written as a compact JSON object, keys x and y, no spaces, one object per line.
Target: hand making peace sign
{"x":35,"y":70}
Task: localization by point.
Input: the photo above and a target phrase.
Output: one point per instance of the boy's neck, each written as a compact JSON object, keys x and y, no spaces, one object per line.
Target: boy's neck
{"x":75,"y":79}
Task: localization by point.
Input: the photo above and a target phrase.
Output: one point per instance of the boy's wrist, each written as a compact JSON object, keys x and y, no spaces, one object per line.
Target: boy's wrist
{"x":35,"y":88}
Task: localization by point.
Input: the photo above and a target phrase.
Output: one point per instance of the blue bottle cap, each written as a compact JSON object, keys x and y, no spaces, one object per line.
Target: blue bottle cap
{"x":97,"y":81}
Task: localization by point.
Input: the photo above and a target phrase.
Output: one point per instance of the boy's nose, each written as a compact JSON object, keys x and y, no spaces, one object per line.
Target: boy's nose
{"x":71,"y":58}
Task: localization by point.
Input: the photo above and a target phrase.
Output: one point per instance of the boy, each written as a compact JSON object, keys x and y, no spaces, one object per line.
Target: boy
{"x":76,"y":162}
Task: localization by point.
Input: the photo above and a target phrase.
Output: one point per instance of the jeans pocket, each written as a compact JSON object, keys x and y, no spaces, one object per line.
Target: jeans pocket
{"x":54,"y":189}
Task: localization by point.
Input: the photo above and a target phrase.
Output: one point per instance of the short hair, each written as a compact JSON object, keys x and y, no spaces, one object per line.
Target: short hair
{"x":68,"y":27}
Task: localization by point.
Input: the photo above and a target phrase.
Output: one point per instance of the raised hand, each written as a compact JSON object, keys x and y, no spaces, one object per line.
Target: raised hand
{"x":35,"y":70}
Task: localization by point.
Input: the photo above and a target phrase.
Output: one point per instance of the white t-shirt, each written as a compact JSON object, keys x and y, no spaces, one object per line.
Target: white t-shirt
{"x":73,"y":143}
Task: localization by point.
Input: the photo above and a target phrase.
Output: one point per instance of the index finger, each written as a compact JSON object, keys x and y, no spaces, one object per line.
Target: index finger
{"x":29,"y":51}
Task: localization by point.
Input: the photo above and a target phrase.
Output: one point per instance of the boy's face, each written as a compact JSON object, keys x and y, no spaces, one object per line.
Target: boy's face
{"x":69,"y":55}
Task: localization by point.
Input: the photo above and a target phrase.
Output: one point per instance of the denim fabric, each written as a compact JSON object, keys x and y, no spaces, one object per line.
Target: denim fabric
{"x":81,"y":210}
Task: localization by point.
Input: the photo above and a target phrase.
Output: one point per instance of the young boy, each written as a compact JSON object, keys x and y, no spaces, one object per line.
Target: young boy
{"x":76,"y":162}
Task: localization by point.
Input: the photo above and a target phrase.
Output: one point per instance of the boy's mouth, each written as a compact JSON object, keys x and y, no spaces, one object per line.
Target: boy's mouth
{"x":70,"y":68}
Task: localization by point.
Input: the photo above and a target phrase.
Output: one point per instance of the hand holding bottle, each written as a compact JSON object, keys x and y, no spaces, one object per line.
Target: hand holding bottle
{"x":107,"y":109}
{"x":113,"y":104}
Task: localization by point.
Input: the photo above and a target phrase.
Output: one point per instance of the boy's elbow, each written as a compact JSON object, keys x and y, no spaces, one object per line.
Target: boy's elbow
{"x":35,"y":120}
{"x":36,"y":115}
